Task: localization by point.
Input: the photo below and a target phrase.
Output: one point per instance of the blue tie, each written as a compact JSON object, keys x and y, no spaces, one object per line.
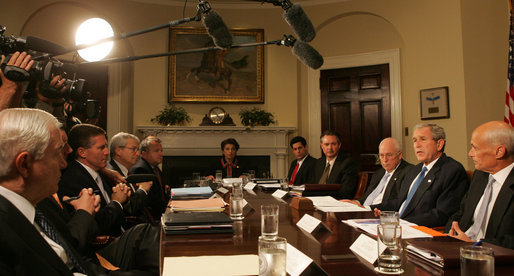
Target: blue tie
{"x":378,"y":190}
{"x":414,"y":188}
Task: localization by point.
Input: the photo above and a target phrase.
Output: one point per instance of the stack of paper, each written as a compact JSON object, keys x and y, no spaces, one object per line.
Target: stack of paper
{"x":330,"y":204}
{"x":191,"y":193}
{"x":370,"y":226}
{"x":196,"y":223}
{"x":198,"y":205}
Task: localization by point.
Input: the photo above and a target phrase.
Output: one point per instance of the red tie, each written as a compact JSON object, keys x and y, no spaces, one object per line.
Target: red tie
{"x":293,"y":176}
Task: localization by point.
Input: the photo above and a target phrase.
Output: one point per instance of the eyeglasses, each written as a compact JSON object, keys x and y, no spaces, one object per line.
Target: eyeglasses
{"x":133,"y":149}
{"x":388,"y":155}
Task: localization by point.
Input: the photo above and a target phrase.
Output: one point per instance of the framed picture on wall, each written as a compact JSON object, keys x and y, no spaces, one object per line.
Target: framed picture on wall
{"x":233,"y":75}
{"x":435,"y":103}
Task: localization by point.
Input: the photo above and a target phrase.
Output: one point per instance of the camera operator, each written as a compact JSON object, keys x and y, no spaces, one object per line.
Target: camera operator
{"x":11,"y":91}
{"x":54,"y":106}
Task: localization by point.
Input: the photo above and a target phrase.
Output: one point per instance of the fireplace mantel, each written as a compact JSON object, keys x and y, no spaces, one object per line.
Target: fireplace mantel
{"x":206,"y":140}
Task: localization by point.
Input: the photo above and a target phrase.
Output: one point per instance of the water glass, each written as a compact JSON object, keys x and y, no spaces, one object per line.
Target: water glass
{"x":219,"y":178}
{"x":251,"y":174}
{"x":389,"y":217}
{"x":269,"y":221}
{"x":476,"y":260}
{"x":389,"y":239}
{"x":237,"y":189}
{"x":236,"y":207}
{"x":284,"y":184}
{"x":272,"y":256}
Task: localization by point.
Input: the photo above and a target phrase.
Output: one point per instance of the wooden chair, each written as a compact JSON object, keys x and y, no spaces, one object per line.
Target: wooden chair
{"x":363,"y":182}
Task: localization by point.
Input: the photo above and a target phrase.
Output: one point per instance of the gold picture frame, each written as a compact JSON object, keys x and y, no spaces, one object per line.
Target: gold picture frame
{"x":233,"y":75}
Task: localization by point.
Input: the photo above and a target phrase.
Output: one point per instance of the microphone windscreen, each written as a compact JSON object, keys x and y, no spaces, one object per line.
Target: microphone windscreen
{"x":217,"y":29}
{"x":308,"y":55}
{"x":45,"y":46}
{"x":300,"y":23}
{"x":138,"y":178}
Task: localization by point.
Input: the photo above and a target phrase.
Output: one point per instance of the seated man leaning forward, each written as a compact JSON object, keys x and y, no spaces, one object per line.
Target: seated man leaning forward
{"x":386,"y":182}
{"x":89,"y":145}
{"x":430,"y":190}
{"x":335,"y":167}
{"x":487,"y":210}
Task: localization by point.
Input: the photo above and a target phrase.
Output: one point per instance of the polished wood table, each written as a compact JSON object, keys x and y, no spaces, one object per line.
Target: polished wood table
{"x":321,"y":246}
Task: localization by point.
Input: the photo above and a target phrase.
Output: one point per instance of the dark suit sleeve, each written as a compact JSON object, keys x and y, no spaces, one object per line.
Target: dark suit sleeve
{"x":83,"y":228}
{"x":348,"y":178}
{"x":135,"y":204}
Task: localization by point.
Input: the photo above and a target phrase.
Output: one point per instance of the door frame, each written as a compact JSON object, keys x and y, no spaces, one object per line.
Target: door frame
{"x":392,"y":57}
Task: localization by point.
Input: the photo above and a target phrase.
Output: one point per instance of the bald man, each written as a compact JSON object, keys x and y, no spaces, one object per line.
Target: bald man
{"x":386,"y":181}
{"x":487,"y":210}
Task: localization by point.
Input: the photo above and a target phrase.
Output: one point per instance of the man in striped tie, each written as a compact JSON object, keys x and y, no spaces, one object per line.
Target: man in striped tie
{"x":430,"y":191}
{"x":301,"y":170}
{"x":487,"y":210}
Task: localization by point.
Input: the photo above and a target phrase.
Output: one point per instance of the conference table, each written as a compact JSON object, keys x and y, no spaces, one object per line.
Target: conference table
{"x":328,"y":249}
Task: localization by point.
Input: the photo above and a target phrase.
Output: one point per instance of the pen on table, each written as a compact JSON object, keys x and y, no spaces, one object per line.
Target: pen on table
{"x":77,"y":197}
{"x":478,"y":243}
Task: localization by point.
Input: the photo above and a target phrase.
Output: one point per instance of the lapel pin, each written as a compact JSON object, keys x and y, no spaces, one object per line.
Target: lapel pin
{"x":430,"y":181}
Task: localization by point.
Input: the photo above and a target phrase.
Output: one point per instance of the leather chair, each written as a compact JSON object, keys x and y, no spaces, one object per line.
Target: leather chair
{"x":363,"y":183}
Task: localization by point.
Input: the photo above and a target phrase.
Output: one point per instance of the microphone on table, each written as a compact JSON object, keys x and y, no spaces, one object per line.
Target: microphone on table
{"x":215,"y":26}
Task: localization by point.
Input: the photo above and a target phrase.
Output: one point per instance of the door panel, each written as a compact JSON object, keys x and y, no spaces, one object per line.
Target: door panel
{"x":355,"y":102}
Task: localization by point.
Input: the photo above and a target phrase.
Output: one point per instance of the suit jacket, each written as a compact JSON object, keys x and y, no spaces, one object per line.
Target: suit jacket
{"x":236,"y":172}
{"x":24,"y":251}
{"x":81,"y":225}
{"x":394,"y":183}
{"x":500,"y":229}
{"x":112,"y":165}
{"x":344,"y":172}
{"x":157,"y":197}
{"x":110,"y":216}
{"x":435,"y":199}
{"x":305,"y":174}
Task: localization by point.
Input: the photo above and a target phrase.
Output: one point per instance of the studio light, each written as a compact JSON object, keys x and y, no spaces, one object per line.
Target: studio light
{"x":90,"y":31}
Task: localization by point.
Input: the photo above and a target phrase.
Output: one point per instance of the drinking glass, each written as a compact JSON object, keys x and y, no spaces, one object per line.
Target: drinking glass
{"x":269,"y":221}
{"x":272,"y":256}
{"x":236,"y":207}
{"x":389,"y":239}
{"x":389,"y":217}
{"x":476,"y":260}
{"x":251,"y":174}
{"x":219,"y":178}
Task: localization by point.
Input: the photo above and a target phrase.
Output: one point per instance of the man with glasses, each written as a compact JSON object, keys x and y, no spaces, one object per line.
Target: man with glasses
{"x":386,"y":182}
{"x":124,"y":149}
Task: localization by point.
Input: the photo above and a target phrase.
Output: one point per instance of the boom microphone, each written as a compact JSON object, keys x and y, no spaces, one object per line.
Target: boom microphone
{"x":304,"y":52}
{"x":299,"y":22}
{"x":296,"y":18}
{"x":215,"y":26}
{"x":41,"y":45}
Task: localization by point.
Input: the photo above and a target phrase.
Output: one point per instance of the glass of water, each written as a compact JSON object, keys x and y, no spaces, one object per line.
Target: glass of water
{"x":219,"y":178}
{"x":389,"y":239}
{"x":389,"y":217}
{"x":476,"y":260}
{"x":236,"y":207}
{"x":269,"y":221}
{"x":272,"y":256}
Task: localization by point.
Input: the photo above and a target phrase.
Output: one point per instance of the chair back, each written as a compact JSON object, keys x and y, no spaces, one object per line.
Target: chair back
{"x":363,"y":182}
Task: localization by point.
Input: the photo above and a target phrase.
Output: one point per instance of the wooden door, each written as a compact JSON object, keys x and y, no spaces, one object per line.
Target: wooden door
{"x":355,"y":102}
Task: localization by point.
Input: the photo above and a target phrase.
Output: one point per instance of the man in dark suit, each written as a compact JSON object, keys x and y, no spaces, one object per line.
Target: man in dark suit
{"x":90,"y":151}
{"x":386,"y":182}
{"x":431,"y":189}
{"x":487,"y":210}
{"x":336,"y":168}
{"x":151,"y":157}
{"x":301,"y":170}
{"x":30,"y":168}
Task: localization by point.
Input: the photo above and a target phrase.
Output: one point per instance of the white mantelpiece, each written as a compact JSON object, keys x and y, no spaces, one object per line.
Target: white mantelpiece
{"x":206,"y":140}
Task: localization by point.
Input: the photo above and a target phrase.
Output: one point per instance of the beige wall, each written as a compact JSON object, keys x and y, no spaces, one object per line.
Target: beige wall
{"x":460,"y":44}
